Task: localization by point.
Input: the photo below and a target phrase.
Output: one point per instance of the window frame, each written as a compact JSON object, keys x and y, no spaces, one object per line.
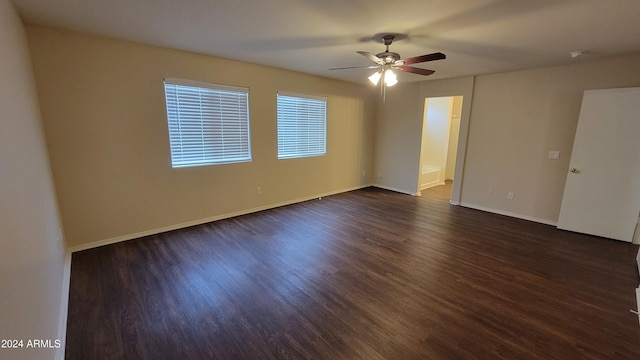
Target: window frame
{"x":212,"y":147}
{"x":298,"y":153}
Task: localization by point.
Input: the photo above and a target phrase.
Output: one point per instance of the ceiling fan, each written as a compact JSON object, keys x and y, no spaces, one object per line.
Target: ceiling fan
{"x":387,"y":61}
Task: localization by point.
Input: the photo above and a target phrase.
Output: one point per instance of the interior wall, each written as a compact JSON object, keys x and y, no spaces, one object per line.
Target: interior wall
{"x":32,"y":259}
{"x":104,"y":115}
{"x":398,"y":139}
{"x":509,"y":123}
{"x":454,"y":133}
{"x":516,"y":119}
{"x":399,"y":132}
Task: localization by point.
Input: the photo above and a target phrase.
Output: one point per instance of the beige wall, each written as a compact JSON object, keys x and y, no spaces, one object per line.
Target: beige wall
{"x":32,"y":259}
{"x":399,"y":128}
{"x":398,"y":139}
{"x":509,"y":123}
{"x":517,"y":118}
{"x":103,"y":108}
{"x":104,"y":116}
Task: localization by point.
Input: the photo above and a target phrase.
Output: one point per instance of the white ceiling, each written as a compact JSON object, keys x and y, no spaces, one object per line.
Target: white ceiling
{"x":311,"y":36}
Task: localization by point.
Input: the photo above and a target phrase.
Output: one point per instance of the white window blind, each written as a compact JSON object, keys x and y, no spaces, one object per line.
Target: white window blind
{"x":302,"y":126}
{"x":208,"y":123}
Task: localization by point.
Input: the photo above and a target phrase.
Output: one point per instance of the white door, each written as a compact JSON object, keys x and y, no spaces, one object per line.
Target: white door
{"x":602,"y":192}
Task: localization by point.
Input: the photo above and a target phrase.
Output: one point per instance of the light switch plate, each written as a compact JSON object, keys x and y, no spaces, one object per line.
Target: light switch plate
{"x":554,"y":155}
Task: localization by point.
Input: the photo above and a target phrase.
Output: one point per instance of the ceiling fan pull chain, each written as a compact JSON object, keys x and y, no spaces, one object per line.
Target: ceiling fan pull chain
{"x":384,"y":90}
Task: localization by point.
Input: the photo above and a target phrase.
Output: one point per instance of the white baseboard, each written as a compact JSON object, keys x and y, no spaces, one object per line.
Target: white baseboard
{"x":64,"y":306}
{"x":390,"y":188}
{"x":426,"y":186}
{"x":507,"y":213}
{"x":477,"y":207}
{"x":140,"y":234}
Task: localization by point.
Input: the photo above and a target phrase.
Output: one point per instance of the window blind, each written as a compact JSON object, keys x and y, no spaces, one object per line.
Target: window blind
{"x":301,"y":126}
{"x":208,"y":123}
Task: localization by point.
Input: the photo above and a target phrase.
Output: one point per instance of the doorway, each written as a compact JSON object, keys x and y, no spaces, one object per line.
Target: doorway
{"x":440,"y":133}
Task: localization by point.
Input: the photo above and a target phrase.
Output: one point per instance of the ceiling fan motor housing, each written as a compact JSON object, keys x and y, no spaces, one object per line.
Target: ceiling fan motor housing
{"x":388,"y":57}
{"x":388,"y":39}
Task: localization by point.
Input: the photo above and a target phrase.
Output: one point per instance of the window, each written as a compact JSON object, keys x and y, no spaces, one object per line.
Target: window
{"x":208,"y":124}
{"x":302,"y":126}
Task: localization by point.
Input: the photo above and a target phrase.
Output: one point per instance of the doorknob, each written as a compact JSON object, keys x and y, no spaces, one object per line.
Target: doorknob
{"x":575,"y":171}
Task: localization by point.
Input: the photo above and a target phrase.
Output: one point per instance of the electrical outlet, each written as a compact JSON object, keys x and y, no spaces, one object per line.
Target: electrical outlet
{"x":510,"y":196}
{"x":258,"y":190}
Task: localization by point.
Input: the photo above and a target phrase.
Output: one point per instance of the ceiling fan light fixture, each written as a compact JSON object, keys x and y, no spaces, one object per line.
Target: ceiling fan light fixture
{"x":390,"y":78}
{"x":375,"y":77}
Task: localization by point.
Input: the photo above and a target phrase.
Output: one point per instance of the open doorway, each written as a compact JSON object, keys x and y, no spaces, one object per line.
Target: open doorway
{"x":440,"y":132}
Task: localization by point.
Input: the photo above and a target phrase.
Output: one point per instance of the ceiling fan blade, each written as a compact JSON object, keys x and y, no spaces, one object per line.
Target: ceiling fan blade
{"x":356,"y":67}
{"x":415,"y":70}
{"x":371,"y":57}
{"x":424,"y":58}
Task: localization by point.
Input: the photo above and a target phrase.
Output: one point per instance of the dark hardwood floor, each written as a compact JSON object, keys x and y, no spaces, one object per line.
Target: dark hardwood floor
{"x":368,"y":274}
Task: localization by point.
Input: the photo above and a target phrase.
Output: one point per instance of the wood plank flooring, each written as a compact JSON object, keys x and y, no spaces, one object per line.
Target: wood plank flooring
{"x":369,"y":274}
